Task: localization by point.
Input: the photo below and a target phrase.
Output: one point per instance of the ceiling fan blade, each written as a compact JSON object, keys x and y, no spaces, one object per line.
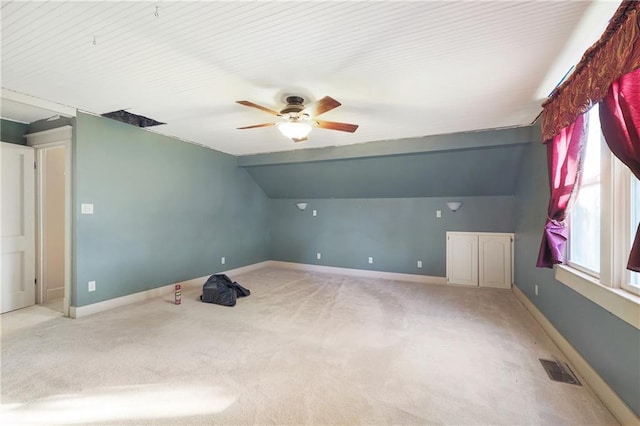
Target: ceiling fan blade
{"x":257,"y":125}
{"x":333,"y":125}
{"x":260,"y":107}
{"x":296,"y":140}
{"x":323,"y":105}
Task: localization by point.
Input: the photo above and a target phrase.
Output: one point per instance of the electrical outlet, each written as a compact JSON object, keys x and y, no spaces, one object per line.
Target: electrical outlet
{"x":536,"y":289}
{"x":91,"y":285}
{"x":86,"y":208}
{"x":223,"y":260}
{"x":370,"y":259}
{"x":315,"y":212}
{"x":318,"y":256}
{"x":419,"y":263}
{"x":438,"y":213}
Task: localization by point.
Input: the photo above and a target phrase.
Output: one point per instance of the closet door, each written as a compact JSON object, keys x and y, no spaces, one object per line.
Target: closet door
{"x":495,"y":260}
{"x":17,"y":242}
{"x":462,"y":258}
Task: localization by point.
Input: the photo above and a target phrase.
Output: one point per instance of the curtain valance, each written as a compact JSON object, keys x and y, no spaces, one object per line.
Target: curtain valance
{"x":615,"y":54}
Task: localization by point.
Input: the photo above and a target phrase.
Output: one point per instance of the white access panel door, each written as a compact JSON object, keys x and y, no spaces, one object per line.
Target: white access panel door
{"x":495,"y":261}
{"x":17,"y":227}
{"x":462,"y":258}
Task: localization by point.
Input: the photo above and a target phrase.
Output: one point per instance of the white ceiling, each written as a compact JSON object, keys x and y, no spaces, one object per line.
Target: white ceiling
{"x":401,"y":69}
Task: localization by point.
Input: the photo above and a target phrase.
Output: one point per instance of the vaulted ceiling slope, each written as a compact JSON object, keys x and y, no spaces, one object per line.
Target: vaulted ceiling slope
{"x":473,"y":172}
{"x":401,"y":69}
{"x":461,"y":164}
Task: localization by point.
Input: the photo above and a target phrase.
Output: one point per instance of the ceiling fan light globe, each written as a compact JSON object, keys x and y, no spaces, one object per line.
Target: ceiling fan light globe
{"x":294,"y":130}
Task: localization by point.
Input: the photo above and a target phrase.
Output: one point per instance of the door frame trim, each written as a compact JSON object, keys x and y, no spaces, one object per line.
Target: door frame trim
{"x":61,"y":136}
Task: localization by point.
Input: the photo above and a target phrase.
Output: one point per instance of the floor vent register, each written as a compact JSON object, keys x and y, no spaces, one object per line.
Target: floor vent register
{"x":560,"y":372}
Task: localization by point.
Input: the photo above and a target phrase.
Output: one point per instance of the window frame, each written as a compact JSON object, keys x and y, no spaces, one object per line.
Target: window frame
{"x":617,"y":223}
{"x":612,"y":287}
{"x":626,"y":205}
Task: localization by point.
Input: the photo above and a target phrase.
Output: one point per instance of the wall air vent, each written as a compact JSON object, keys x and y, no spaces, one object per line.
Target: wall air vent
{"x":133,"y":119}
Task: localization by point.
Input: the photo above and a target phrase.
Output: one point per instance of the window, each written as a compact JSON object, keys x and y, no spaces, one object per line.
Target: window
{"x":605,"y":216}
{"x":584,"y":218}
{"x":633,"y":283}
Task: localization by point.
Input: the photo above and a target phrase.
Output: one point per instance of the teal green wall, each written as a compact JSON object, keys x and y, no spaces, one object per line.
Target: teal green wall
{"x":396,"y":232}
{"x":610,"y":345}
{"x":13,"y":132}
{"x":164,"y":211}
{"x":383,"y":204}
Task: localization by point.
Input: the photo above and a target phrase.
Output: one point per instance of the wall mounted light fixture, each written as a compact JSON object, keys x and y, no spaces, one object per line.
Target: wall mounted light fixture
{"x":301,"y":206}
{"x":454,"y":206}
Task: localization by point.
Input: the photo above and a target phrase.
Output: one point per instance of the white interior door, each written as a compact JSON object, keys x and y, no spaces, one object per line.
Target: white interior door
{"x":17,"y":227}
{"x":462,"y":259}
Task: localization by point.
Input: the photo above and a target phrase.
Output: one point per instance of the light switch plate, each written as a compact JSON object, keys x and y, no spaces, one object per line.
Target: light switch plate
{"x":86,"y":208}
{"x":315,"y":212}
{"x":438,"y":213}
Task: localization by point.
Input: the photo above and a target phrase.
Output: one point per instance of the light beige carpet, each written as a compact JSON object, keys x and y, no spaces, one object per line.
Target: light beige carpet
{"x":304,"y":348}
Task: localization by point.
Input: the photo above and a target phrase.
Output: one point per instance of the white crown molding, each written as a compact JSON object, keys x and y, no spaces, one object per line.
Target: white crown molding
{"x":38,"y":102}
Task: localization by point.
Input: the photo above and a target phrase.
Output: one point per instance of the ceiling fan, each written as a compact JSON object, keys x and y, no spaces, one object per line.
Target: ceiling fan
{"x":296,"y":120}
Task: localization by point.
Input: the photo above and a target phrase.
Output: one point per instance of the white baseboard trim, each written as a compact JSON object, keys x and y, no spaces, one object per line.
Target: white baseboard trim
{"x":608,"y":396}
{"x":394,"y":276}
{"x":55,"y":294}
{"x":94,"y":308}
{"x":83,"y":311}
{"x":247,"y":268}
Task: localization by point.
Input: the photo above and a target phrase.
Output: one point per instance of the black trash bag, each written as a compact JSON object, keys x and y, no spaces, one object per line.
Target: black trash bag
{"x":216,"y":291}
{"x":219,"y":289}
{"x":240,"y":291}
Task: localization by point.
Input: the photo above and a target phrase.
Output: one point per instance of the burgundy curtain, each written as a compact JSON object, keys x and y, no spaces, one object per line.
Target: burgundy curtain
{"x":620,"y":120}
{"x":565,"y":155}
{"x":616,"y":53}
